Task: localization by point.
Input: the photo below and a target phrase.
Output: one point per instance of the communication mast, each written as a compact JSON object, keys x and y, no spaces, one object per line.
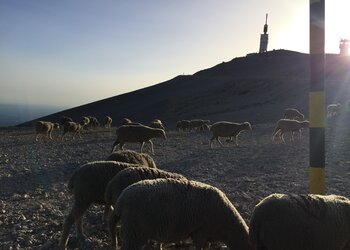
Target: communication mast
{"x":344,"y":47}
{"x":264,"y":38}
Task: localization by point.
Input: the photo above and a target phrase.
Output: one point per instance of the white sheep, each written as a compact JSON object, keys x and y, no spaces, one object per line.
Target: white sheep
{"x":108,"y":121}
{"x":131,"y":156}
{"x":126,"y":121}
{"x":71,"y":127}
{"x":183,"y":125}
{"x":286,"y":125}
{"x":65,"y":119}
{"x":46,"y":128}
{"x":291,"y":113}
{"x":170,"y":210}
{"x":198,"y":124}
{"x":124,"y":179}
{"x":88,"y":184}
{"x":85,"y":121}
{"x":156,"y":123}
{"x":333,"y":109}
{"x":228,"y":129}
{"x":137,"y":133}
{"x":291,"y":222}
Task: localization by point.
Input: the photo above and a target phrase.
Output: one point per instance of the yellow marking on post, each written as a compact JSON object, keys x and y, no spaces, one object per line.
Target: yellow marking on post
{"x":317,"y":183}
{"x":317,"y":109}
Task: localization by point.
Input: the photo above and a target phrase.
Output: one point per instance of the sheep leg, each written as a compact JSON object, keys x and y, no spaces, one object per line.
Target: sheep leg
{"x":151,"y":143}
{"x":217,"y":138}
{"x":36,"y":137}
{"x":236,"y":140}
{"x":211,"y":142}
{"x":74,"y":216}
{"x":282,"y":137}
{"x":106,"y":212}
{"x":141,"y":146}
{"x":112,"y":225}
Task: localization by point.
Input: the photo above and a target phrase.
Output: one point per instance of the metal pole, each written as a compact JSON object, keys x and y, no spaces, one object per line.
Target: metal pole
{"x":317,"y":98}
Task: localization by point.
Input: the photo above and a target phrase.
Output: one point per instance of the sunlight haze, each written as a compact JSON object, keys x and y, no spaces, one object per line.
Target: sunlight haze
{"x":68,"y":53}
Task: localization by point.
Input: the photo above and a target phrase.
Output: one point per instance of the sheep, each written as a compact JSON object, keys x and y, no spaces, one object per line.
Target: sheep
{"x":227,"y":129}
{"x":88,"y":184}
{"x":65,"y":119}
{"x":45,"y":127}
{"x":291,"y":113}
{"x":125,"y":121}
{"x":108,"y":121}
{"x":333,"y":109}
{"x":198,"y":124}
{"x":290,"y":222}
{"x":85,"y":121}
{"x":183,"y":125}
{"x":286,"y":125}
{"x":156,"y":123}
{"x":124,"y":179}
{"x":170,"y":210}
{"x":137,"y":133}
{"x":130,"y":156}
{"x":94,"y":123}
{"x":71,"y":127}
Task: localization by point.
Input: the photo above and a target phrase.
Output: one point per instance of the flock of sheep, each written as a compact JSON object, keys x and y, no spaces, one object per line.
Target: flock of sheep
{"x":153,"y":205}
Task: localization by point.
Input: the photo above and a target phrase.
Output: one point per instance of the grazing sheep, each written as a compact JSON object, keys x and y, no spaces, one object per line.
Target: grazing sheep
{"x":88,"y":184}
{"x":291,"y":113}
{"x":126,"y":121}
{"x":169,"y":210}
{"x":71,"y":127}
{"x":290,"y":222}
{"x":108,"y":121}
{"x":137,"y":133}
{"x":133,"y":157}
{"x":94,"y":123}
{"x":124,"y":179}
{"x":156,"y":123}
{"x":46,"y":128}
{"x":183,"y":125}
{"x":228,"y":129}
{"x":85,"y":121}
{"x":65,"y":119}
{"x":286,"y":125}
{"x":198,"y":124}
{"x":333,"y":109}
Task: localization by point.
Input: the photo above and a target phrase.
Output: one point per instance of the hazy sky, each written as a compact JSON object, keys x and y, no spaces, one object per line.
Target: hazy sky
{"x":72,"y":52}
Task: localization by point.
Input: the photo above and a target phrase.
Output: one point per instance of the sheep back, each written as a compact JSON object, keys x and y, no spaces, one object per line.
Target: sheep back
{"x":291,"y":113}
{"x":138,"y":133}
{"x":227,"y":129}
{"x":169,"y":210}
{"x":88,"y":182}
{"x":132,"y":175}
{"x":133,"y":157}
{"x":313,"y":222}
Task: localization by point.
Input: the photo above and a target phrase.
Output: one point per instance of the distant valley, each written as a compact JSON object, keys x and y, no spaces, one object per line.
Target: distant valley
{"x":13,"y":114}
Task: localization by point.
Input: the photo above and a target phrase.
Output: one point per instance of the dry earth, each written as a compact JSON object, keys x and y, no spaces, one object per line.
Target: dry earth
{"x":33,"y":175}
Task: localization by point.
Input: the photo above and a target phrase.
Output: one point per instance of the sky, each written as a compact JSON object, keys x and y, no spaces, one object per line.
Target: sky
{"x":71,"y":52}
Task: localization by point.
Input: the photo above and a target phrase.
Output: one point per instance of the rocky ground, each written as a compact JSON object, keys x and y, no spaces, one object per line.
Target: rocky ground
{"x":33,"y":175}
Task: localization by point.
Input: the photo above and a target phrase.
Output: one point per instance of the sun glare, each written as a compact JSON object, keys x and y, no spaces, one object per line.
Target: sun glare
{"x":337,"y":24}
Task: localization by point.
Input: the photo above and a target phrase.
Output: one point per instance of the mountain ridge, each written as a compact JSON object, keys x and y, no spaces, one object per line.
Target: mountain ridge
{"x":256,"y":88}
